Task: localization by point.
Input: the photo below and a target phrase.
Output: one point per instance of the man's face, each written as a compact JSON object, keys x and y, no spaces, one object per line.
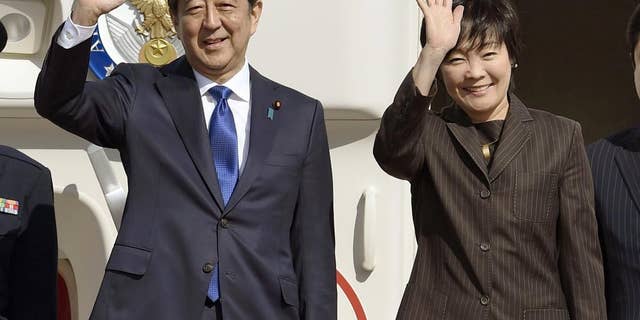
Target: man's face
{"x":636,"y":68}
{"x":215,"y":34}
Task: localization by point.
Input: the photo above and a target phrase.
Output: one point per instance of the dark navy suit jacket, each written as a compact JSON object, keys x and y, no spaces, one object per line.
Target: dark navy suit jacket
{"x":28,"y":245}
{"x":615,"y":163}
{"x":273,"y":241}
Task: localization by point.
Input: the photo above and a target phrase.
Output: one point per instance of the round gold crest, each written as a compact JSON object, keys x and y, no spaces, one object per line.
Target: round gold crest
{"x":157,"y":52}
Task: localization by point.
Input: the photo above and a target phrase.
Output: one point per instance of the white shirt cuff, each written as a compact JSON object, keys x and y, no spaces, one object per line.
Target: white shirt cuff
{"x":73,"y":34}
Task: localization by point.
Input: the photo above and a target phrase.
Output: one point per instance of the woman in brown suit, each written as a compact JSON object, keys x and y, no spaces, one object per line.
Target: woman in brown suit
{"x":502,"y":194}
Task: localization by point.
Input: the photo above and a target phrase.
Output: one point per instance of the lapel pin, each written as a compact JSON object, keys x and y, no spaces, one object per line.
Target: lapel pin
{"x":274,"y":107}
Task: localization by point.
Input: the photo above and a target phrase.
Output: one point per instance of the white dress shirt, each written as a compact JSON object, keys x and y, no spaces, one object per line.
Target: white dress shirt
{"x":73,"y":34}
{"x":239,"y":102}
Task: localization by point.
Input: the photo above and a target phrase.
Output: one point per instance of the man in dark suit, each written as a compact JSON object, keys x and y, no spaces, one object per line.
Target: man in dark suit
{"x":28,"y":242}
{"x":502,"y":194}
{"x":615,"y":164}
{"x":229,"y":213}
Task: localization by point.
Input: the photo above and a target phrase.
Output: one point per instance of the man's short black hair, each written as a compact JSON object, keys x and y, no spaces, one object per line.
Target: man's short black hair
{"x":485,"y":22}
{"x":633,"y":29}
{"x":173,"y":6}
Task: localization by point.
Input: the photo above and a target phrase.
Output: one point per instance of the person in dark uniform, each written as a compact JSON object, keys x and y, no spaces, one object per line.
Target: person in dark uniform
{"x":615,"y":164}
{"x":28,"y":242}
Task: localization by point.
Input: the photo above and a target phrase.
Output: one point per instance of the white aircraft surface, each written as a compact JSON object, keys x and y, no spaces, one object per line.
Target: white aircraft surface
{"x":351,"y":55}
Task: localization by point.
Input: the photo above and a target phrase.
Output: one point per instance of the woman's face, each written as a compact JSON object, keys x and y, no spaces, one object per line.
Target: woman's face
{"x":478,"y":80}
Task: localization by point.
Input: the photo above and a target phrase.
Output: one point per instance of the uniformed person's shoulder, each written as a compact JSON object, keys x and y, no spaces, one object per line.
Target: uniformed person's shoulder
{"x":19,"y":160}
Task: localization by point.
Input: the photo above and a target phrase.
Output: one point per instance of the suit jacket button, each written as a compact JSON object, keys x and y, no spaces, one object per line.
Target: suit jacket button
{"x":485,"y":194}
{"x":207,"y":267}
{"x":485,"y":247}
{"x":484,"y":300}
{"x":224,"y":223}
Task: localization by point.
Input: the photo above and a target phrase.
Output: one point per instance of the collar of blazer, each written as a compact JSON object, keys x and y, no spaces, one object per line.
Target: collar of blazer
{"x":515,"y":133}
{"x":627,"y":158}
{"x":180,"y":93}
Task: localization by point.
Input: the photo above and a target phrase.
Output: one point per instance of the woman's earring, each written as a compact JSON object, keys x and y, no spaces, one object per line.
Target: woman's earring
{"x":514,"y":66}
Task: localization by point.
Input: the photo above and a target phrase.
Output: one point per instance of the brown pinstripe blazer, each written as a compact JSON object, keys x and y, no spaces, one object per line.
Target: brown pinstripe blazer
{"x":517,"y":241}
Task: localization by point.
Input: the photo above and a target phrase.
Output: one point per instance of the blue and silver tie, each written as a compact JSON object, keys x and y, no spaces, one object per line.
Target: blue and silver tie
{"x":224,"y":147}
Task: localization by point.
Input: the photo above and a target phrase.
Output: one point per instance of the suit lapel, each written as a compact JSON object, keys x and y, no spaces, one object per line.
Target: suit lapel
{"x":182,"y":99}
{"x":629,"y":165}
{"x":515,"y":133}
{"x":261,"y":135}
{"x":465,"y":133}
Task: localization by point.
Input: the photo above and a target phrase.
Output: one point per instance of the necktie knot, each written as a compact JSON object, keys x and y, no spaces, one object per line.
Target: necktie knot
{"x":220,"y":93}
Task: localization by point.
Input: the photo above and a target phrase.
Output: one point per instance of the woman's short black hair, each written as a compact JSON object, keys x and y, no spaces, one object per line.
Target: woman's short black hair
{"x":485,"y":22}
{"x":173,"y":6}
{"x":633,"y":29}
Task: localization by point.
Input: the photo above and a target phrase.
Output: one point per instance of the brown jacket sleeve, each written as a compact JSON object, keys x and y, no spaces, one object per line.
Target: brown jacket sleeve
{"x":400,"y":142}
{"x":580,"y":258}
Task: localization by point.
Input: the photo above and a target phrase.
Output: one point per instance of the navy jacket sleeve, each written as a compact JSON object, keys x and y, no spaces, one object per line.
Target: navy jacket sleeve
{"x":94,"y":110}
{"x":312,"y":232}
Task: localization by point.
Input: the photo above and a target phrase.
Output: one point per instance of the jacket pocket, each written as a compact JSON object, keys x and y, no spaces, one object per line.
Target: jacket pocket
{"x":289,"y":289}
{"x":129,"y":260}
{"x":535,"y":197}
{"x":545,"y":314}
{"x":283,"y":160}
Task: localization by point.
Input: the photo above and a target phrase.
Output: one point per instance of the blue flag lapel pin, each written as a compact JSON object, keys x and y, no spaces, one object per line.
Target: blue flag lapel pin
{"x":275,"y":106}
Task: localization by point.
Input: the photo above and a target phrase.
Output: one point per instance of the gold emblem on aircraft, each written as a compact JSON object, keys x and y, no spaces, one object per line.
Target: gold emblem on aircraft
{"x":157,"y":26}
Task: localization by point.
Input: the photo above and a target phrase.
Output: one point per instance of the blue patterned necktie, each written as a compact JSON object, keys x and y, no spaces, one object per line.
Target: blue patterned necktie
{"x":224,"y":147}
